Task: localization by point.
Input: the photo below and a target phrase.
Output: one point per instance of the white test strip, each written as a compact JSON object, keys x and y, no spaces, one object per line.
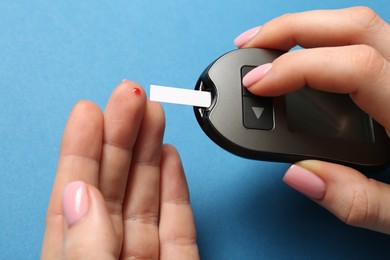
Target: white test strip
{"x":180,"y":96}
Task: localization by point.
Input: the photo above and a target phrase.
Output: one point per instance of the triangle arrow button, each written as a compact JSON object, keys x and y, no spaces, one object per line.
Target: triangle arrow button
{"x":258,"y":111}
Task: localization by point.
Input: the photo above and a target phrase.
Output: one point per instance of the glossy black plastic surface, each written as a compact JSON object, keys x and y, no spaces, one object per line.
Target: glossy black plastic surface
{"x":339,"y":133}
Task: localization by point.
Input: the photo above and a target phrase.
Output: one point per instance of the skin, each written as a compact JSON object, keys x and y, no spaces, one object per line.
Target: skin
{"x":345,"y":51}
{"x":138,"y":196}
{"x":352,"y":44}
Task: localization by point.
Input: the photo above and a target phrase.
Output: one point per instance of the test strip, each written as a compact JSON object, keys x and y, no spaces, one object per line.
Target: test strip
{"x":180,"y":96}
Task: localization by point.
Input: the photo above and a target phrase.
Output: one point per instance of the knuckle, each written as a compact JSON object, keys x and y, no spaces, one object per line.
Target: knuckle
{"x":367,"y":61}
{"x":356,"y":214}
{"x":179,"y":241}
{"x":147,"y":218}
{"x":114,"y":205}
{"x":284,"y":20}
{"x":366,"y":18}
{"x":287,"y":19}
{"x":360,"y":212}
{"x":133,"y":256}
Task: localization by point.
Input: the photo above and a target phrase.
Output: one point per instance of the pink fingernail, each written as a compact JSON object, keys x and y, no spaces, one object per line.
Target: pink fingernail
{"x":245,"y":37}
{"x":75,"y":202}
{"x":305,"y":182}
{"x":256,"y":74}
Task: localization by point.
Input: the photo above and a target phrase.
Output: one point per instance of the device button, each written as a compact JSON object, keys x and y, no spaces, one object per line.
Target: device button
{"x":244,"y":71}
{"x":258,"y":112}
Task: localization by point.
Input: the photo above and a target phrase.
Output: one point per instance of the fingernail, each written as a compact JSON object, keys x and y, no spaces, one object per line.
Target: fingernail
{"x":245,"y":37}
{"x":305,"y":182}
{"x":256,"y":74}
{"x":75,"y":202}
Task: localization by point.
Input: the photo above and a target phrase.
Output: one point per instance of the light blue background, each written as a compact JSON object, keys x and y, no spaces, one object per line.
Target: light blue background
{"x":53,"y":53}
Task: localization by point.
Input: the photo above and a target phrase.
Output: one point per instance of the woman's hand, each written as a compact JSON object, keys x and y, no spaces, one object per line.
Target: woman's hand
{"x":118,"y":192}
{"x":345,"y":51}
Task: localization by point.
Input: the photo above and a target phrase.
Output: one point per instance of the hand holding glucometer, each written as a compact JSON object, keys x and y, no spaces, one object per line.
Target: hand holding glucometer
{"x":304,"y":124}
{"x":300,"y":125}
{"x":324,"y":107}
{"x":326,"y":104}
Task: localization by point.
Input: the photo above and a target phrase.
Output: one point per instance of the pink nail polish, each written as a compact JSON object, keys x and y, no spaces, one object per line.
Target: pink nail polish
{"x":305,"y":182}
{"x":245,"y":37}
{"x":75,"y":201}
{"x":256,"y":74}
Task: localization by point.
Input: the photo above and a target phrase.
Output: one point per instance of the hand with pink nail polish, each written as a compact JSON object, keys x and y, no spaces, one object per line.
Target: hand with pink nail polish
{"x":343,"y":51}
{"x":119,"y":192}
{"x":246,"y":36}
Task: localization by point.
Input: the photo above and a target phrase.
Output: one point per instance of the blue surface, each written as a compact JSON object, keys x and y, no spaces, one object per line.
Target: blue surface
{"x":53,"y":54}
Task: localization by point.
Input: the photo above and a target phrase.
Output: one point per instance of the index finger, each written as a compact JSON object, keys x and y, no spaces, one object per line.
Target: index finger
{"x":325,"y":28}
{"x":357,"y":70}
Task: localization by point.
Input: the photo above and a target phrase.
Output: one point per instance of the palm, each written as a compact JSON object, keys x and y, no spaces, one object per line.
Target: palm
{"x":141,"y":181}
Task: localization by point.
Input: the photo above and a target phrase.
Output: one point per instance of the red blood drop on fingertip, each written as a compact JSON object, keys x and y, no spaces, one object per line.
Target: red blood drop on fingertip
{"x":137,"y":91}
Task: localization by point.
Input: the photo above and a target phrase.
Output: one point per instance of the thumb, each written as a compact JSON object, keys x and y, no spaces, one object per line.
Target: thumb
{"x":348,"y":194}
{"x":89,"y":233}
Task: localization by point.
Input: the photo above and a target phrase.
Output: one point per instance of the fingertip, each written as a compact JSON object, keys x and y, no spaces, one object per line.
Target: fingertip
{"x":85,"y":112}
{"x":173,"y":179}
{"x":83,"y":203}
{"x":77,"y":199}
{"x":75,"y":202}
{"x":171,"y":158}
{"x":305,"y":181}
{"x":158,"y":113}
{"x":352,"y":197}
{"x":169,"y":149}
{"x":89,"y":232}
{"x":256,"y":75}
{"x":130,"y":87}
{"x":246,"y":36}
{"x":123,"y":114}
{"x":128,"y":82}
{"x":128,"y":95}
{"x":84,"y":130}
{"x":86,"y":108}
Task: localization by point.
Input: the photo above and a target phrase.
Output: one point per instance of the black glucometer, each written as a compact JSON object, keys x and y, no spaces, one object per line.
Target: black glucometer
{"x":305,"y":124}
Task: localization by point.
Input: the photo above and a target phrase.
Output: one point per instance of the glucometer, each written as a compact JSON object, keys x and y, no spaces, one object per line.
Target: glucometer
{"x":305,"y":124}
